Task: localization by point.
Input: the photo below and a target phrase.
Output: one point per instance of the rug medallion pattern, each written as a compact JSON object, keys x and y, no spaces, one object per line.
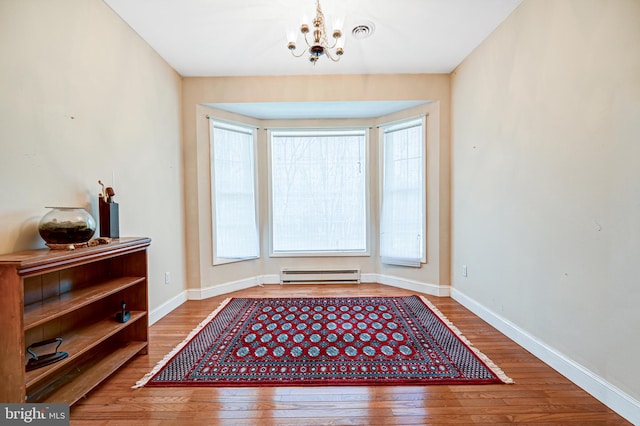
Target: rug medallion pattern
{"x":324,"y":341}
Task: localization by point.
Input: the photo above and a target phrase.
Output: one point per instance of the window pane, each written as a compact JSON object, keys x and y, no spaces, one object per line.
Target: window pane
{"x":235,"y":232}
{"x":402,"y":233}
{"x":318,"y":192}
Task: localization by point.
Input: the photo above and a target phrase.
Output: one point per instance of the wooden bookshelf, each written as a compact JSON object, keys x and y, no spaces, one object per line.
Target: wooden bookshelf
{"x":74,"y":295}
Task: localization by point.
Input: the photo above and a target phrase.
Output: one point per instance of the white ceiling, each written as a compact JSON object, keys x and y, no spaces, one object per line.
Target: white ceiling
{"x":249,"y":38}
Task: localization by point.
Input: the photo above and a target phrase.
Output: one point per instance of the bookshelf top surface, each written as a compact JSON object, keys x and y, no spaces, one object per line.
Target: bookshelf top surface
{"x":29,"y":260}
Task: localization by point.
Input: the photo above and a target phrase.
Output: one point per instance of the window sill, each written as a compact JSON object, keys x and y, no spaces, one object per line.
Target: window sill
{"x":321,"y":254}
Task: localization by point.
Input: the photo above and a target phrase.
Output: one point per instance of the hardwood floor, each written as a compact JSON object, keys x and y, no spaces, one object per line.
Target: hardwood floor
{"x":539,"y":396}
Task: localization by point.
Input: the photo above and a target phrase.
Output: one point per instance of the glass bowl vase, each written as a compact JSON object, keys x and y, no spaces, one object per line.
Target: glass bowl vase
{"x":64,"y":226}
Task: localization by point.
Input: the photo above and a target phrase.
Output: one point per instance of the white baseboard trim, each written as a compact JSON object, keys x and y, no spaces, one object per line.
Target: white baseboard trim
{"x":217,"y":290}
{"x":269,"y":279}
{"x":420,"y":287}
{"x":205,"y":293}
{"x":614,"y":398}
{"x":165,"y":308}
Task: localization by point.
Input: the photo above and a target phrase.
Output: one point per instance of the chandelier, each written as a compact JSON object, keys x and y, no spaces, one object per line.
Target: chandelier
{"x":319,"y":44}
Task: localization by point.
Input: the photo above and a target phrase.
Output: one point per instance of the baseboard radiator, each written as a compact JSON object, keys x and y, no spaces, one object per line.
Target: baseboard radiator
{"x":319,"y":276}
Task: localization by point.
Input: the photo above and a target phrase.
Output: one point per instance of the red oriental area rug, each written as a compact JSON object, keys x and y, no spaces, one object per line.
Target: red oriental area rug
{"x":324,"y":341}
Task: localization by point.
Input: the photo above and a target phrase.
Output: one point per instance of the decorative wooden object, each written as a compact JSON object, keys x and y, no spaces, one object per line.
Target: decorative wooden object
{"x":74,"y":295}
{"x":109,"y":219}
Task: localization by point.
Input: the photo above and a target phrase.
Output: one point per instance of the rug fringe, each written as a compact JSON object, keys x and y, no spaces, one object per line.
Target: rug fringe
{"x":144,"y":380}
{"x":490,"y":364}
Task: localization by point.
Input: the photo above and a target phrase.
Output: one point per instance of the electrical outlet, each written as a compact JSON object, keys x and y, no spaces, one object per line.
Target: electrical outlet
{"x":464,"y":271}
{"x":167,"y":277}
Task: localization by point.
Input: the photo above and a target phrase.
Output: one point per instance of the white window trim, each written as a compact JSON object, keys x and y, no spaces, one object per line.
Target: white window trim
{"x":249,"y":130}
{"x":311,"y":253}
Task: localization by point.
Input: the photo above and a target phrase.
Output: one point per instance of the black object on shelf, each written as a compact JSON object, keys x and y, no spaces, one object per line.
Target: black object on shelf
{"x":109,"y":219}
{"x":123,"y":316}
{"x":37,"y":361}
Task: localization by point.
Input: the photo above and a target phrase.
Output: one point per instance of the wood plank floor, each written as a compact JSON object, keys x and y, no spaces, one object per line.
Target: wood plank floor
{"x":539,"y":396}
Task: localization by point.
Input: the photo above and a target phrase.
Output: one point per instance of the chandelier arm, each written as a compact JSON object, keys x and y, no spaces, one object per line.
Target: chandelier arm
{"x":299,"y":55}
{"x":307,"y":41}
{"x":330,"y":56}
{"x":335,"y":43}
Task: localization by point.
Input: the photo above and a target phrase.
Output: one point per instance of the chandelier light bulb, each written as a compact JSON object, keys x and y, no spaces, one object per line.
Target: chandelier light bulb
{"x":291,"y":36}
{"x":338,"y":23}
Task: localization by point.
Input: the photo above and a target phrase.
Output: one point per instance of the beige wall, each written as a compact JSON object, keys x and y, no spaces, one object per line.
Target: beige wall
{"x":546,"y":180}
{"x":84,"y":98}
{"x":199,"y":91}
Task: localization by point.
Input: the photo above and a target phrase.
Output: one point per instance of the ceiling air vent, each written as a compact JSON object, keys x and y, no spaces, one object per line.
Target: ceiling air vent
{"x":363,"y":30}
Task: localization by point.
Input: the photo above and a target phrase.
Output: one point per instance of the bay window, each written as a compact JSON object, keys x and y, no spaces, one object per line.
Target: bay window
{"x":403,"y":212}
{"x":233,"y":192}
{"x":318,"y":192}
